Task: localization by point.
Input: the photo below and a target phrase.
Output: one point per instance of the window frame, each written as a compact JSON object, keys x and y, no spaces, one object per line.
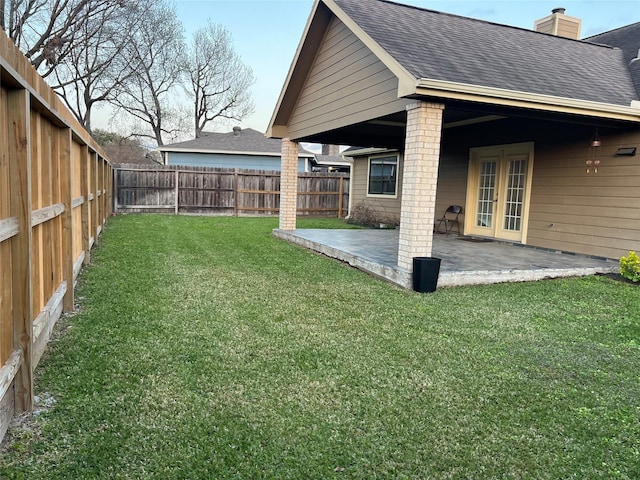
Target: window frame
{"x":397,"y":176}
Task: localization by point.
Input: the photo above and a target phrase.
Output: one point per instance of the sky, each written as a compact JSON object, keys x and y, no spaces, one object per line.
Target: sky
{"x":266,"y":33}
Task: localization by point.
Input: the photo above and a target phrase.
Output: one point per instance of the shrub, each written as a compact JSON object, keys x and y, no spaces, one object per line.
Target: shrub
{"x":630,"y":267}
{"x":362,"y":214}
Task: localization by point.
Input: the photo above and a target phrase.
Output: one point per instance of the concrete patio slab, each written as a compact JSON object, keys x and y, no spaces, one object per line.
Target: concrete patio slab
{"x":465,"y":260}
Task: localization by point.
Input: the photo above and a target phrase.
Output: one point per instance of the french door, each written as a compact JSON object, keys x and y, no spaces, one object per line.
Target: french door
{"x":499,"y":187}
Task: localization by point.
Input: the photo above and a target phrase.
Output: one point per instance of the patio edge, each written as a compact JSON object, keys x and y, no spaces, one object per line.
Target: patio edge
{"x":404,"y":279}
{"x":401,"y":278}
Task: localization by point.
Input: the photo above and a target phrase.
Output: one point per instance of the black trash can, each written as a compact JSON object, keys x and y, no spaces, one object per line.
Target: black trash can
{"x":425,"y":274}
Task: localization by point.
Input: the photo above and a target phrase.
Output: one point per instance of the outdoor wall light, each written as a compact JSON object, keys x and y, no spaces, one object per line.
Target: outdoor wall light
{"x":626,"y":152}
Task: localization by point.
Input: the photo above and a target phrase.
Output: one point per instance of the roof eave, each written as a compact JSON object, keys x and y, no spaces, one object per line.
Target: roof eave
{"x":228,"y":152}
{"x":513,"y":98}
{"x":367,"y":151}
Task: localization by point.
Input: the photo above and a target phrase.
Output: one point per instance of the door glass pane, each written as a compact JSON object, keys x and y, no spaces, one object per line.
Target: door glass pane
{"x":515,"y":195}
{"x":486,"y":192}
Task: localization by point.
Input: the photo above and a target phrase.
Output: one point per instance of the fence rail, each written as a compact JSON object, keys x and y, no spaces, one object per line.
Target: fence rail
{"x":222,"y":191}
{"x":55,"y":195}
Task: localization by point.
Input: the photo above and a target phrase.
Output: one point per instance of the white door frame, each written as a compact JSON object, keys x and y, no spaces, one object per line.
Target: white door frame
{"x":502,"y":155}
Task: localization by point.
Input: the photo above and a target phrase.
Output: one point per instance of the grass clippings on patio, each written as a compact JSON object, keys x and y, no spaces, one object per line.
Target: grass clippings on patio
{"x":205,"y":348}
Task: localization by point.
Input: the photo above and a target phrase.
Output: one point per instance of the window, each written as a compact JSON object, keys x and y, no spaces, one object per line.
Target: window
{"x":383,"y":175}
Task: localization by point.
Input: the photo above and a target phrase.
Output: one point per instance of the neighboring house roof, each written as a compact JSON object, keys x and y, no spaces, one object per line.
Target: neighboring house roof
{"x":360,"y":151}
{"x":441,"y":46}
{"x":331,"y":160}
{"x":246,"y":141}
{"x":626,"y":38}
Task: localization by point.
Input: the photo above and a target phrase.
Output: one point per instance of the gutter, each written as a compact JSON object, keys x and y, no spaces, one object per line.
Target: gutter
{"x":513,"y":98}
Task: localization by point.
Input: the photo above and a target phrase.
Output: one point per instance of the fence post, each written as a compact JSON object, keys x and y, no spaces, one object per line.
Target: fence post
{"x":176,"y":195}
{"x":115,"y":190}
{"x":235,"y":192}
{"x":340,"y":193}
{"x":18,"y":106}
{"x":110,"y":187}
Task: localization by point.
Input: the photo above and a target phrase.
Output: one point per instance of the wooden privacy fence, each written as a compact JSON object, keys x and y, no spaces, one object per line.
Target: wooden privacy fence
{"x":223,"y":191}
{"x":55,"y":185}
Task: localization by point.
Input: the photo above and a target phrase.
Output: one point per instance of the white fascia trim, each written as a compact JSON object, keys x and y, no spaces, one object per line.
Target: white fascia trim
{"x":367,"y":151}
{"x":538,"y":101}
{"x":345,"y":163}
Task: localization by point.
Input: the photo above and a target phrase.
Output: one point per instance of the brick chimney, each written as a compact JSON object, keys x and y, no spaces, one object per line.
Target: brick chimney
{"x":331,"y":150}
{"x":559,"y":24}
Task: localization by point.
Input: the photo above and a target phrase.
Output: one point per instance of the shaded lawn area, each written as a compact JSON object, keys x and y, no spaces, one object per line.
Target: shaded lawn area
{"x":205,"y":348}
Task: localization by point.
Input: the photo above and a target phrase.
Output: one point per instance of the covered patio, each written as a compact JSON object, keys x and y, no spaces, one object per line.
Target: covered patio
{"x":465,"y":260}
{"x":485,"y":126}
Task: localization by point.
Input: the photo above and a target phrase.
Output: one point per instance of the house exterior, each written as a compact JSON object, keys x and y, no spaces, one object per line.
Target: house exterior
{"x":241,"y":148}
{"x":534,"y":133}
{"x":331,"y":160}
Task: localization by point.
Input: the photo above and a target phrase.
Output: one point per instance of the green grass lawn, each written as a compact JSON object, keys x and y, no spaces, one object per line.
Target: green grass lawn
{"x":205,"y":348}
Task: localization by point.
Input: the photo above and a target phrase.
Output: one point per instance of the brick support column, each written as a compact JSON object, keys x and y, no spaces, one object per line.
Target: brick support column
{"x":420,"y":180}
{"x":288,"y":184}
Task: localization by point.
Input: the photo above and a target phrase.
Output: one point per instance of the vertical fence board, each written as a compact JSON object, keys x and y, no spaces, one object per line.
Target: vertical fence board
{"x":6,"y":296}
{"x":93,"y":185}
{"x":47,"y":235}
{"x":100,"y":188}
{"x":77,"y":195}
{"x":86,"y":210}
{"x":36,"y":203}
{"x":56,"y":198}
{"x":67,"y":223}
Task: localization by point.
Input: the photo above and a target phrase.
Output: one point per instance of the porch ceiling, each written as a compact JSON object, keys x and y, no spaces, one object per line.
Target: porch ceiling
{"x":389,"y":131}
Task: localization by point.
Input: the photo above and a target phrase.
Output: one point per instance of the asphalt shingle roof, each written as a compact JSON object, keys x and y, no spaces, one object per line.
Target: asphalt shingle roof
{"x":247,"y":140}
{"x":440,"y":46}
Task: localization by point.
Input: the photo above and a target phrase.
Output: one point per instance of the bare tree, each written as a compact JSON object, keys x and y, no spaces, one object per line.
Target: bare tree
{"x":95,"y":68}
{"x":46,"y":30}
{"x":124,"y":150}
{"x":157,"y":67}
{"x":218,"y":79}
